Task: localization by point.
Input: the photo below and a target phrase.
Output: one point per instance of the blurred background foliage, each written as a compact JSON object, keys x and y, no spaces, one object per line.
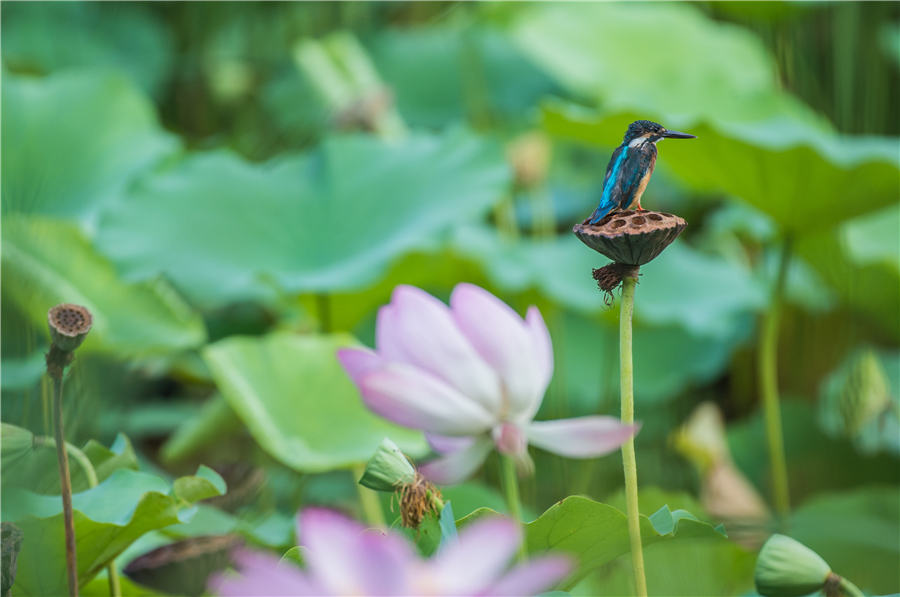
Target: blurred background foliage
{"x":234,"y":188}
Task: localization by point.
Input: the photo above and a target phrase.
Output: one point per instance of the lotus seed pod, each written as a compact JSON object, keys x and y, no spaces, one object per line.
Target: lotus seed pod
{"x":69,"y":325}
{"x":865,"y":393}
{"x":631,"y":237}
{"x":787,"y":568}
{"x":388,"y":469}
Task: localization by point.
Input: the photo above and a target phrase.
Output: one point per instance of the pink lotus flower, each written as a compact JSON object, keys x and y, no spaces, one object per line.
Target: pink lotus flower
{"x":344,"y":558}
{"x":471,"y":376}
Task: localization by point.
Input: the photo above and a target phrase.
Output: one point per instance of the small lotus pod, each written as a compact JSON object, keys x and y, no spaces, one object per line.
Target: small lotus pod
{"x":631,"y":237}
{"x":865,"y":393}
{"x":388,"y":469}
{"x":69,"y":325}
{"x":787,"y":568}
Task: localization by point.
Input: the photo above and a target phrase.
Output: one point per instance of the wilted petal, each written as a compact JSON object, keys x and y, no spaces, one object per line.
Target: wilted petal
{"x":478,"y":558}
{"x":502,"y":339}
{"x":347,"y":559}
{"x":532,"y":578}
{"x":417,"y":328}
{"x":262,"y":574}
{"x":459,"y":465}
{"x":414,"y":398}
{"x":582,"y":437}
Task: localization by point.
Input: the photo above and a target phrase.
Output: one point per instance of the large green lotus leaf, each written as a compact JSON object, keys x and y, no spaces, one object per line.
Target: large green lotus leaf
{"x":856,"y":532}
{"x":80,"y":138}
{"x":46,"y":262}
{"x":108,"y":518}
{"x":298,"y":402}
{"x":34,"y":466}
{"x":596,"y":533}
{"x":861,"y":262}
{"x":685,"y":567}
{"x":806,"y":179}
{"x":47,"y":37}
{"x":483,"y":74}
{"x":329,"y":220}
{"x":667,"y":360}
{"x":685,"y":66}
{"x":705,"y":294}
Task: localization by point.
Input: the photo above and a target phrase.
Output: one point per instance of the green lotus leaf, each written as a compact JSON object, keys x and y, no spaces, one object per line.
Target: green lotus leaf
{"x":223,"y":229}
{"x":46,"y":262}
{"x":298,"y":402}
{"x":108,"y":518}
{"x":80,"y":138}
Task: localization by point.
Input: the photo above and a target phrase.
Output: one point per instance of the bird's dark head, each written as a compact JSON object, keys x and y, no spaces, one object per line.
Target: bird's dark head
{"x":652,"y":131}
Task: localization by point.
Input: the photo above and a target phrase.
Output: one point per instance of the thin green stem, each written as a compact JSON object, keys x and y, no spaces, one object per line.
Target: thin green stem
{"x":629,"y":462}
{"x":65,"y":484}
{"x":511,"y":490}
{"x":850,"y":589}
{"x":368,"y":500}
{"x":767,"y":360}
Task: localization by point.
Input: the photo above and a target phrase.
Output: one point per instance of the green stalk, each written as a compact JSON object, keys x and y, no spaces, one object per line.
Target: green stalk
{"x":850,"y":589}
{"x":511,"y":490}
{"x":767,"y":360}
{"x":368,"y":500}
{"x":65,"y":484}
{"x":629,"y":463}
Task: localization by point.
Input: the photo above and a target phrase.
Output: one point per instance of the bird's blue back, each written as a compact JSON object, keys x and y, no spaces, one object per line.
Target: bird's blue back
{"x":627,"y":167}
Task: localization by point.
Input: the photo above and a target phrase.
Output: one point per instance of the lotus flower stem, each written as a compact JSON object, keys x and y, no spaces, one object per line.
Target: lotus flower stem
{"x":368,"y":500}
{"x":626,"y":383}
{"x":767,"y":361}
{"x":511,"y":490}
{"x":849,"y":589}
{"x":65,"y":485}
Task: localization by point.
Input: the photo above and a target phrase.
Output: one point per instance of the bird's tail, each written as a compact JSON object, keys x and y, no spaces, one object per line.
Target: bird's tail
{"x":601,"y":211}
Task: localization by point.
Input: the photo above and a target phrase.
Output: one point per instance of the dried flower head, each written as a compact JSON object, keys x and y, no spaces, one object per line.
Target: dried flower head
{"x":631,"y":237}
{"x":69,"y":325}
{"x":416,"y":500}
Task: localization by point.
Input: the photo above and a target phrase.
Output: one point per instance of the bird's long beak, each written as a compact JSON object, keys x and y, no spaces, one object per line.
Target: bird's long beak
{"x":677,"y":135}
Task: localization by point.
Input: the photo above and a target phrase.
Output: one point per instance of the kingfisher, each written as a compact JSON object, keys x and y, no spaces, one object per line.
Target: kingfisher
{"x":630,"y":167}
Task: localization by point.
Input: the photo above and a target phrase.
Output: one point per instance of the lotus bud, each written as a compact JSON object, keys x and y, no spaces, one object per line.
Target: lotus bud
{"x":388,"y":469}
{"x":787,"y":568}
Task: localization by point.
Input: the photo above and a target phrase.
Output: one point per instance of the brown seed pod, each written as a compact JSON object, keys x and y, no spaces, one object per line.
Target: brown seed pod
{"x":69,"y":325}
{"x":631,"y":237}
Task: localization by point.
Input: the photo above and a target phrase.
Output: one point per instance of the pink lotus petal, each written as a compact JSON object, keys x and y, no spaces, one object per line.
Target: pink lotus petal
{"x":501,"y":338}
{"x":533,"y":577}
{"x":582,"y":437}
{"x":543,"y":346}
{"x":510,"y":439}
{"x":457,"y":466}
{"x":347,"y":559}
{"x":417,"y":328}
{"x":414,"y":398}
{"x":262,"y":574}
{"x":445,"y":444}
{"x":357,"y":362}
{"x":480,"y":555}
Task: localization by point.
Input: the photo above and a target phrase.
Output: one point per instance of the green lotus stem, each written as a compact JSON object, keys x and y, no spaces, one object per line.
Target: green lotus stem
{"x":629,"y":463}
{"x":767,"y":360}
{"x":511,"y":491}
{"x":850,"y":589}
{"x":368,"y":500}
{"x":65,"y":484}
